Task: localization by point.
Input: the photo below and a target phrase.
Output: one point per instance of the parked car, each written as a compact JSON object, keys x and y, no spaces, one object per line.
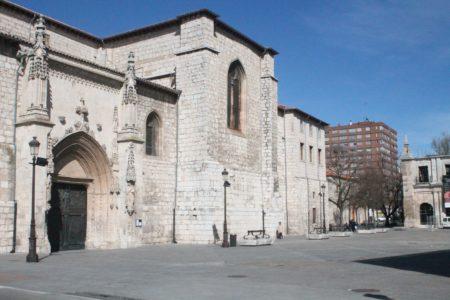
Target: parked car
{"x":446,"y":222}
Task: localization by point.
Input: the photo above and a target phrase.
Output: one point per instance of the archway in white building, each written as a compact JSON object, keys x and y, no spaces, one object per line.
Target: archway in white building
{"x":80,"y":189}
{"x":426,"y":214}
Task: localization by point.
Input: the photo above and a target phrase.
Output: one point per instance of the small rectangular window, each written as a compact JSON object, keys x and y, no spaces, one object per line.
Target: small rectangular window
{"x":319,"y":156}
{"x":302,"y":151}
{"x":310,"y":153}
{"x":423,"y":174}
{"x":314,"y":215}
{"x":447,"y":170}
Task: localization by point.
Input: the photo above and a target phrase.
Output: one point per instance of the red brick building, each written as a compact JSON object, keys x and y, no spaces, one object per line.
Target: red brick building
{"x":373,"y":144}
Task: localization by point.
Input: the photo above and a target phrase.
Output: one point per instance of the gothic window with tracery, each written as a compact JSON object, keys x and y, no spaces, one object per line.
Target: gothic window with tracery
{"x":152,"y":134}
{"x":236,"y":77}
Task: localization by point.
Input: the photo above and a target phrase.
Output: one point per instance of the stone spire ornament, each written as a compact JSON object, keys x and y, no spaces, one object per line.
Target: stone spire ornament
{"x":38,"y":56}
{"x":129,"y":109}
{"x":130,"y":94}
{"x":115,"y":187}
{"x":406,"y":152}
{"x":35,"y":93}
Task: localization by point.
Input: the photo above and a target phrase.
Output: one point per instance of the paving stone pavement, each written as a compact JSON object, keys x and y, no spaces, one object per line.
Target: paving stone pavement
{"x":293,"y":268}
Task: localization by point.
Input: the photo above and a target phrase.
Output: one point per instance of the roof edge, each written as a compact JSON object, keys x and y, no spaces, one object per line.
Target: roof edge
{"x":288,"y":109}
{"x":32,"y":14}
{"x":142,"y":30}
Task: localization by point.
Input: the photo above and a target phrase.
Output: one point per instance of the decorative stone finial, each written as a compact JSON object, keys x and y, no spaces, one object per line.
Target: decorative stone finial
{"x":406,"y":151}
{"x":130,"y":94}
{"x":131,"y":72}
{"x":38,"y":56}
{"x":40,"y":25}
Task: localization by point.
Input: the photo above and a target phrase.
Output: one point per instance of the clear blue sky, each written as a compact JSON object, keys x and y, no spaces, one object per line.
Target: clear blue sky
{"x":339,"y":60}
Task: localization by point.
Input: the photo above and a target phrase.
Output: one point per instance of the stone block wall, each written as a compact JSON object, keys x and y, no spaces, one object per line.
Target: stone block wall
{"x":16,"y":24}
{"x":300,"y":179}
{"x":8,"y":75}
{"x":156,"y":203}
{"x":415,"y":193}
{"x":155,"y":53}
{"x":200,"y":55}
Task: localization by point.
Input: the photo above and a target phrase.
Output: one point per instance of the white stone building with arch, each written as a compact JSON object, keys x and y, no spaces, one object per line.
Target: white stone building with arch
{"x":136,"y":128}
{"x":426,"y":188}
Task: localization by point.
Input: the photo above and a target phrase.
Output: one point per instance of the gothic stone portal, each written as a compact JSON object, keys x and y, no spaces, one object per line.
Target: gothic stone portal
{"x":81,"y":186}
{"x":66,"y":219}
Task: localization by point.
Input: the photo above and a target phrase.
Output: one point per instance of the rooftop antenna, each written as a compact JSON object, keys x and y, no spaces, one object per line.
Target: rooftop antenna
{"x":365,"y":109}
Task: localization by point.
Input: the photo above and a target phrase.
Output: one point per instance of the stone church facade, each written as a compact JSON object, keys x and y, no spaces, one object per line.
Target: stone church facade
{"x":137,"y":129}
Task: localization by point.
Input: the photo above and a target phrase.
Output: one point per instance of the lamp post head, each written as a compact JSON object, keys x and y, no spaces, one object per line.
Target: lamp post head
{"x":34,"y":147}
{"x":225,"y":175}
{"x":323,"y":186}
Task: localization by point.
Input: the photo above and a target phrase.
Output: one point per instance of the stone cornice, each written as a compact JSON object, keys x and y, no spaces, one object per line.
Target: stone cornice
{"x":192,"y":50}
{"x":40,"y":122}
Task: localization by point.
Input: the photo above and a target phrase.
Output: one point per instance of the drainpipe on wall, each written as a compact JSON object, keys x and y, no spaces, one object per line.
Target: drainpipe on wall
{"x":285,"y":171}
{"x":174,"y":240}
{"x":307,"y":184}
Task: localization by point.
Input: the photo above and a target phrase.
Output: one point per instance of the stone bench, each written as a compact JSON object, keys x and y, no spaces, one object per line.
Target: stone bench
{"x":318,"y":236}
{"x":340,"y":233}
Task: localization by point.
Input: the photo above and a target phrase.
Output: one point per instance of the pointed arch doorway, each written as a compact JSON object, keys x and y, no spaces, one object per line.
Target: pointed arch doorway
{"x":80,"y":191}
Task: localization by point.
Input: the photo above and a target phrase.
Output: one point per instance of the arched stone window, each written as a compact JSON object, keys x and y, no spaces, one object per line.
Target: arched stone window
{"x":426,"y":214}
{"x":235,"y":101}
{"x":152,"y":130}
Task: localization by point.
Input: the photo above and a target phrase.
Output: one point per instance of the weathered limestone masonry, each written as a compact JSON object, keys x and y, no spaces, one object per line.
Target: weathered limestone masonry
{"x":78,"y":110}
{"x":199,"y":49}
{"x":137,"y":123}
{"x":424,"y":190}
{"x":8,"y":75}
{"x":302,"y":171}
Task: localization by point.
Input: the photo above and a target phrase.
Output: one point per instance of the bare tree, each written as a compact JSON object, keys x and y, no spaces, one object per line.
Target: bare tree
{"x":441,"y":145}
{"x":381,"y":190}
{"x":342,"y":167}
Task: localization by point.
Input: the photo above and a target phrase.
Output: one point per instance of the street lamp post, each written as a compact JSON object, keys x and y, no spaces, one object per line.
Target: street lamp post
{"x":32,"y":255}
{"x":322,"y":187}
{"x":34,"y":150}
{"x":226,"y":184}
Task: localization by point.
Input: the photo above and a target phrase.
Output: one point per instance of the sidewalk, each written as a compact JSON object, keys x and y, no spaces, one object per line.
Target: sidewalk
{"x":293,"y":268}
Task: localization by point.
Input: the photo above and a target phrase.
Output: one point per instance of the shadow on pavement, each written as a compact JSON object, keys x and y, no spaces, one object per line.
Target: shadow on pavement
{"x":436,"y":262}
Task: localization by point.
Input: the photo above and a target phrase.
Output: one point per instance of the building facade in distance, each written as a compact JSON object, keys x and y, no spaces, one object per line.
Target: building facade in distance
{"x":426,"y":188}
{"x":373,"y":144}
{"x":360,"y":146}
{"x":302,"y":170}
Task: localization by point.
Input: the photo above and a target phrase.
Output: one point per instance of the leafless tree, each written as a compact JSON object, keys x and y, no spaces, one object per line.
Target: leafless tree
{"x":381,"y":190}
{"x":441,"y":145}
{"x":342,"y":167}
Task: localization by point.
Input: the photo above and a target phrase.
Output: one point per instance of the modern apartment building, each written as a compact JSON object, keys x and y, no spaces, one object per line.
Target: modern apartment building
{"x":373,"y":144}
